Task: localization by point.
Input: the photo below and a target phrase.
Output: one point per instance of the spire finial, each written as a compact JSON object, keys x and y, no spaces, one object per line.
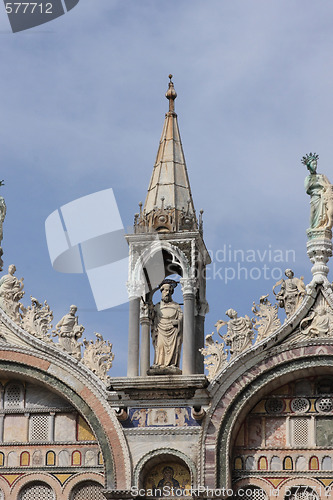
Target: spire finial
{"x":171,"y":94}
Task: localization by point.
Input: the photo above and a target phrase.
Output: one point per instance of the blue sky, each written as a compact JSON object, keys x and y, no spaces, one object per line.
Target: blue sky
{"x":82,"y":107}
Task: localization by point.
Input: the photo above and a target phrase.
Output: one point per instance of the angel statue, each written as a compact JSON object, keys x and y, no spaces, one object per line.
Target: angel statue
{"x":291,"y":292}
{"x":239,"y":334}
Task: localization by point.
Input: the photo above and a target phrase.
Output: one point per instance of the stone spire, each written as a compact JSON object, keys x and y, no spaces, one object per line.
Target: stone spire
{"x":169,"y":205}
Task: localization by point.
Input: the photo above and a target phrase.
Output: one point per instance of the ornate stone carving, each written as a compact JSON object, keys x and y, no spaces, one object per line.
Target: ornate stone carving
{"x":321,"y":192}
{"x":165,"y":219}
{"x":135,"y":289}
{"x":98,"y":356}
{"x":167,"y":329}
{"x":215,"y":356}
{"x":239,"y":333}
{"x":37,"y":318}
{"x":267,"y":320}
{"x":11,"y":292}
{"x":188,"y":286}
{"x":3,"y":210}
{"x":318,"y":324}
{"x":69,"y":331}
{"x":291,"y":292}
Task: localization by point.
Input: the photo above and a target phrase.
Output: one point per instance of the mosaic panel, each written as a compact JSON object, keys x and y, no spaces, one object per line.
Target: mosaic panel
{"x":168,"y":475}
{"x":160,"y":417}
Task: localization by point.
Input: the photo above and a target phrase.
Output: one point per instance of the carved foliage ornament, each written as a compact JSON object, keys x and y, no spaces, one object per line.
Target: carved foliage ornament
{"x":98,"y":356}
{"x":37,"y":318}
{"x":266,"y":321}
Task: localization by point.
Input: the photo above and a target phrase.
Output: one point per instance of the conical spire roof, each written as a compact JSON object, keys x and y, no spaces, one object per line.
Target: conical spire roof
{"x":169,"y":185}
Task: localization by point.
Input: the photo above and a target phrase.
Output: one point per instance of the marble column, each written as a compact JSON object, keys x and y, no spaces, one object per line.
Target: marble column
{"x":133,"y":329}
{"x":189,"y":341}
{"x":145,"y":340}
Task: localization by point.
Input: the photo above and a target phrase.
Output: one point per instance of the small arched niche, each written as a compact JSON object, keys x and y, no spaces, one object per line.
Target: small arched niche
{"x":165,"y":475}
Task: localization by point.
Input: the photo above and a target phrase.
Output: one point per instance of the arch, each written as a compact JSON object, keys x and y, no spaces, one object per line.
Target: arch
{"x":250,"y":463}
{"x":13,"y":459}
{"x":33,"y":477}
{"x":25,"y":459}
{"x":326,"y":463}
{"x":14,"y":395}
{"x":301,"y":463}
{"x":256,"y":482}
{"x":2,"y":459}
{"x":37,"y":489}
{"x":288,"y":463}
{"x":262,"y":463}
{"x":151,"y":251}
{"x":275,"y":463}
{"x":314,"y":463}
{"x":50,"y":458}
{"x":238,"y":463}
{"x":80,"y":478}
{"x":301,"y":492}
{"x":64,"y":458}
{"x":169,"y":454}
{"x":76,"y":458}
{"x":248,"y":389}
{"x":37,"y":458}
{"x":81,"y":397}
{"x":87,"y":490}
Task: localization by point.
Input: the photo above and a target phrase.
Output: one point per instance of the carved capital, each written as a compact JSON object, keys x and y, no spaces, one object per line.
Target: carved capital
{"x":319,"y":251}
{"x":135,"y":289}
{"x":188,"y":287}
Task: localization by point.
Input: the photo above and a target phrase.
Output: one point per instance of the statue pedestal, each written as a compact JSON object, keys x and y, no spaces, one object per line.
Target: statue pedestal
{"x":319,"y":250}
{"x":319,"y":234}
{"x":164,"y":370}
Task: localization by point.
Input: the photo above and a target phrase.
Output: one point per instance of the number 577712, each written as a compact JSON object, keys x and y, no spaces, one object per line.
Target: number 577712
{"x":28,"y":8}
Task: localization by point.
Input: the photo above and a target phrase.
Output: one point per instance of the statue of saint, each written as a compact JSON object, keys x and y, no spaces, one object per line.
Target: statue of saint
{"x":167,"y":329}
{"x":3,"y":210}
{"x":11,"y":292}
{"x":291,"y":292}
{"x":239,"y":334}
{"x":69,"y":331}
{"x":321,"y":192}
